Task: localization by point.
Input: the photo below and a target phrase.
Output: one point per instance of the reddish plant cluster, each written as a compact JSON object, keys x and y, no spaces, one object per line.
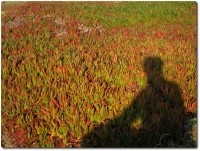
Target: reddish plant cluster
{"x":61,"y":76}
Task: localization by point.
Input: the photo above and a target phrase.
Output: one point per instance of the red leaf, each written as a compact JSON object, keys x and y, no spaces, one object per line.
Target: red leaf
{"x":159,"y":34}
{"x":43,"y":111}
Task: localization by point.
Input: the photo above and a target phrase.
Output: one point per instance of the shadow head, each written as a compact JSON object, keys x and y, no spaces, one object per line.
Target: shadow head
{"x":153,"y":65}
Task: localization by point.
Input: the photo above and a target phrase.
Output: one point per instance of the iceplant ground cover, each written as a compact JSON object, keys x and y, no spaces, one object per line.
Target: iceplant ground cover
{"x":98,"y":74}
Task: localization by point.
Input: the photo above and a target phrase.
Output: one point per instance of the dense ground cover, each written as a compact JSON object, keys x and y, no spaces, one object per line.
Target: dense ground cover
{"x":68,"y":67}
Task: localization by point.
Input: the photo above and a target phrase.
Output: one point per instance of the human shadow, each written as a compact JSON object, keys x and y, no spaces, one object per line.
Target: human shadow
{"x":154,"y":118}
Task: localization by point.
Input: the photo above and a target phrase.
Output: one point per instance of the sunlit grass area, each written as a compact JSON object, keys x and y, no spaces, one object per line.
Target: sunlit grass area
{"x":68,"y":68}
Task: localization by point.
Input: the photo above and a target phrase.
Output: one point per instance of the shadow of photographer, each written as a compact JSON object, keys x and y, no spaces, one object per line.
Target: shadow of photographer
{"x":157,"y":111}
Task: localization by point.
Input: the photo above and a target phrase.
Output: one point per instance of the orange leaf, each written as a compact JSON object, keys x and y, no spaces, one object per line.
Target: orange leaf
{"x":54,"y":101}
